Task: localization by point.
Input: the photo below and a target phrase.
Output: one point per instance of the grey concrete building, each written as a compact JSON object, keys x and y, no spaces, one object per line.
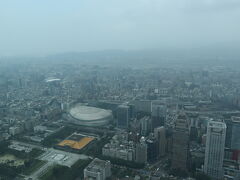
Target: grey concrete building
{"x":98,"y":170}
{"x":214,"y":152}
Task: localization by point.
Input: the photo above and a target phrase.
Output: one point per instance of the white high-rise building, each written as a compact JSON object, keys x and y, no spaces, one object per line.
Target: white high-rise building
{"x":214,"y":153}
{"x":98,"y":170}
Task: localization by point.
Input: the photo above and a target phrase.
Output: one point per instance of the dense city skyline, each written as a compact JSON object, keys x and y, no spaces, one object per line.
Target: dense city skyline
{"x":120,"y":90}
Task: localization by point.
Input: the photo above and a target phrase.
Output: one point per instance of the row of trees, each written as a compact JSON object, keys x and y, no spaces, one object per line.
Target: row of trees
{"x":59,"y":135}
{"x":7,"y":172}
{"x":10,"y":172}
{"x":4,"y":147}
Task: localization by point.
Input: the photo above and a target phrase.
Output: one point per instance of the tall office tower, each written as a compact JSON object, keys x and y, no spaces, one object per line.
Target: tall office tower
{"x":122,"y":116}
{"x":233,"y":133}
{"x":158,"y":115}
{"x":141,"y":151}
{"x":152,"y":149}
{"x":20,"y":83}
{"x":169,"y":141}
{"x":214,"y":152}
{"x":160,"y":135}
{"x":145,"y":124}
{"x":131,"y":112}
{"x":180,"y":146}
{"x":144,"y":106}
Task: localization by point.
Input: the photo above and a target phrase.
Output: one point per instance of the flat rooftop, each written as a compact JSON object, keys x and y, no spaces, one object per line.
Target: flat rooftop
{"x":96,"y":165}
{"x":216,"y":124}
{"x":77,"y":144}
{"x":61,"y":157}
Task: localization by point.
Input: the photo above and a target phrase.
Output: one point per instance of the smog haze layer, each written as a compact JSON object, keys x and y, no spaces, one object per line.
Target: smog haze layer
{"x":39,"y":28}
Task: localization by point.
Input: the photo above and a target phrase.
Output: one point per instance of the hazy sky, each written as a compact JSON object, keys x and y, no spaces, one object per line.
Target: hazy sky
{"x":36,"y":27}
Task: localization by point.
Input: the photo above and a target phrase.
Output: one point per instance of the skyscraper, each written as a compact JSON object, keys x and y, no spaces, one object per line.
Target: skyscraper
{"x":152,"y":149}
{"x":122,"y":116}
{"x":233,"y":133}
{"x":158,"y":115}
{"x":214,"y":152}
{"x":160,"y":135}
{"x":145,"y":124}
{"x":180,"y":153}
{"x":141,"y":151}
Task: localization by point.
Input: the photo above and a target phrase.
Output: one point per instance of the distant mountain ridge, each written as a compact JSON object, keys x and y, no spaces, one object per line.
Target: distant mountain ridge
{"x":218,"y":54}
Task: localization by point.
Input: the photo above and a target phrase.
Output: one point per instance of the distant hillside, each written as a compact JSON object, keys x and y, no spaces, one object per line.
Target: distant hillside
{"x":215,"y":56}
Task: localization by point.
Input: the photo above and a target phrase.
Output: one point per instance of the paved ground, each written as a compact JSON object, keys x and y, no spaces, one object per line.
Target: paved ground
{"x":52,"y":157}
{"x":40,"y":171}
{"x":61,"y":157}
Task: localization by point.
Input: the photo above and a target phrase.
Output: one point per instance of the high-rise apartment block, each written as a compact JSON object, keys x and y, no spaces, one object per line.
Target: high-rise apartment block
{"x":123,"y":116}
{"x":233,"y":133}
{"x":141,"y":151}
{"x":160,"y":135}
{"x":145,"y":124}
{"x":180,"y":147}
{"x":158,"y":115}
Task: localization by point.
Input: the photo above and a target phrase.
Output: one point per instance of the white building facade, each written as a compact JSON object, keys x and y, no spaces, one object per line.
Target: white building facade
{"x":98,"y":170}
{"x":214,"y":152}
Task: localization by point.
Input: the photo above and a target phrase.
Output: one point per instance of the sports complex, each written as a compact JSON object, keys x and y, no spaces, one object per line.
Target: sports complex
{"x":89,"y":116}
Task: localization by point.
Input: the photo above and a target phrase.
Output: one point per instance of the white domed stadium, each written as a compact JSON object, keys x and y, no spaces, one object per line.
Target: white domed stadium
{"x":89,"y":116}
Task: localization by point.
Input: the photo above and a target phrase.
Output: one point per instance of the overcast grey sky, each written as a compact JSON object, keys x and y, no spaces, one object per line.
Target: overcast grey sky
{"x":29,"y":27}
